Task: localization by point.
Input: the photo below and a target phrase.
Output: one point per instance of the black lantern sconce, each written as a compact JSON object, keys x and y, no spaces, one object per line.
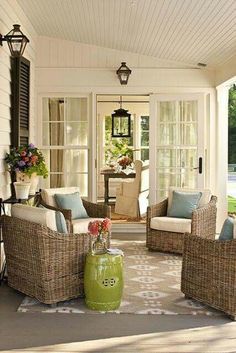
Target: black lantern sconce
{"x":123,"y":73}
{"x":121,"y":122}
{"x":16,"y":41}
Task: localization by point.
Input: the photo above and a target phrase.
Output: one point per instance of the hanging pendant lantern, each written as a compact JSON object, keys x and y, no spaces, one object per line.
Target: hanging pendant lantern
{"x":121,"y":122}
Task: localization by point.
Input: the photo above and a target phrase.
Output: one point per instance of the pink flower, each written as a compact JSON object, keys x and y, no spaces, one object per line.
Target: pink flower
{"x":106,"y":224}
{"x":99,"y":227}
{"x":93,"y":228}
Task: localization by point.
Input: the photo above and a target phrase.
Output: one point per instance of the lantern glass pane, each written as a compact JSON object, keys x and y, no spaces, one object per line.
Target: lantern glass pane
{"x":121,"y":126}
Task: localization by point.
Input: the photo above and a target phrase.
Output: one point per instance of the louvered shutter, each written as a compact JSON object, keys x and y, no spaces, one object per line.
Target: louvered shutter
{"x":20,"y":82}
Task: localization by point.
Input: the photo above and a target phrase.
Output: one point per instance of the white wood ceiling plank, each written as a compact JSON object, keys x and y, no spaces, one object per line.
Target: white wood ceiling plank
{"x":144,"y":23}
{"x":217,"y":35}
{"x":206,"y":27}
{"x":191,"y":31}
{"x":171,"y":20}
{"x":184,"y":24}
{"x":158,"y":28}
{"x":176,"y":30}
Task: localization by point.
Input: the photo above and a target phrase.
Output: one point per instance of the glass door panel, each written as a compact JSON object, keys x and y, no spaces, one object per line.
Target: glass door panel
{"x":177,"y":143}
{"x":65,"y":142}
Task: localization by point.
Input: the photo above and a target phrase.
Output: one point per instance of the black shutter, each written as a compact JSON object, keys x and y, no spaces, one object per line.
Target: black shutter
{"x":20,"y":101}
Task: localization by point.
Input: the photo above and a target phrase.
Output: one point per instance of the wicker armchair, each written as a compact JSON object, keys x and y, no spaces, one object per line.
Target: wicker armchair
{"x":203,"y":224}
{"x":209,"y":272}
{"x":94,"y":210}
{"x":42,"y":263}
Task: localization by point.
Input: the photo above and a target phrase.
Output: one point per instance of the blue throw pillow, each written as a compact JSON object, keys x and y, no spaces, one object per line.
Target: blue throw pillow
{"x":183,"y":204}
{"x":227,"y":231}
{"x":72,"y":202}
{"x":61,"y":223}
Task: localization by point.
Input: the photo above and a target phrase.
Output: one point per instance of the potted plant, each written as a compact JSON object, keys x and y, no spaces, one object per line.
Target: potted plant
{"x":26,"y":162}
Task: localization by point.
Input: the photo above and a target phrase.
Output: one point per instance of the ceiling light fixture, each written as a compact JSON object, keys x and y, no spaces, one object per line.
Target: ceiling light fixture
{"x":121,"y":122}
{"x":123,"y":73}
{"x":16,"y":41}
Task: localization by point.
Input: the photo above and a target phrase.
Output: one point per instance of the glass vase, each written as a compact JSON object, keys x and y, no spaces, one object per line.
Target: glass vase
{"x":99,"y":245}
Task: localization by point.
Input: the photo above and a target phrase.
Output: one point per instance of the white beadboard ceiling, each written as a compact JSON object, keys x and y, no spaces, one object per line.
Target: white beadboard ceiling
{"x":187,"y":31}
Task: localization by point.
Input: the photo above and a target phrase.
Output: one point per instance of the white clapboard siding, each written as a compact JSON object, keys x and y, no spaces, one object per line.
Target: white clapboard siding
{"x":11,"y":13}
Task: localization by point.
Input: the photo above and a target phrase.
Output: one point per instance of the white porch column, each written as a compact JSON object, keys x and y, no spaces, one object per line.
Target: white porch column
{"x":222,"y":153}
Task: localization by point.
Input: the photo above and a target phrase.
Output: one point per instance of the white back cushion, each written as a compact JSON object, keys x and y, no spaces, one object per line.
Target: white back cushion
{"x":205,"y":198}
{"x":81,"y":225}
{"x":48,"y":194}
{"x":35,"y":214}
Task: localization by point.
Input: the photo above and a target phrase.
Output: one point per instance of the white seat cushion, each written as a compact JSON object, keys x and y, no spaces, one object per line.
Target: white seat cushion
{"x":205,"y":198}
{"x":35,"y":214}
{"x":48,"y":194}
{"x":171,"y":224}
{"x":81,"y":225}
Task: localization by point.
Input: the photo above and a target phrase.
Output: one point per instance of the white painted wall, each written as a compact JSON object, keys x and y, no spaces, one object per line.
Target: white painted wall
{"x":11,"y":13}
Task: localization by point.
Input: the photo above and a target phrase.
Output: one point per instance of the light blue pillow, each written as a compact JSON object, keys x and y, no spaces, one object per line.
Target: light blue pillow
{"x":227,"y":231}
{"x":61,"y":223}
{"x":183,"y":204}
{"x":72,"y":202}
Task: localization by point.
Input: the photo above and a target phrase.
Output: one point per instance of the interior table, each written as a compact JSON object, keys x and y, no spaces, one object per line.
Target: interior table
{"x":111,"y":174}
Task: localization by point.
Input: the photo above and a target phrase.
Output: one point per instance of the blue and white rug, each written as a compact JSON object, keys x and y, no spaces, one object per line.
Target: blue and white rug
{"x":152,"y":286}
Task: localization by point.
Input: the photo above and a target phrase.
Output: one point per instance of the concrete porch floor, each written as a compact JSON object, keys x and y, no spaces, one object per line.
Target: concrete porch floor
{"x":38,"y":332}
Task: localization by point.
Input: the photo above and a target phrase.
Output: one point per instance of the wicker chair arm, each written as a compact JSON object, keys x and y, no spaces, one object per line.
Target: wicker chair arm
{"x":95,"y":210}
{"x":204,"y":220}
{"x":66,"y":212}
{"x":157,"y":210}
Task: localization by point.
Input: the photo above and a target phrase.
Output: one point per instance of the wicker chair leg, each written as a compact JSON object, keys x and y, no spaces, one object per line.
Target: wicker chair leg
{"x":187,"y":297}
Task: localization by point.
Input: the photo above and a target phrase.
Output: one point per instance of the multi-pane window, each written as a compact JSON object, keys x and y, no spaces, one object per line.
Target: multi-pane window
{"x":65,"y":142}
{"x":144,"y":137}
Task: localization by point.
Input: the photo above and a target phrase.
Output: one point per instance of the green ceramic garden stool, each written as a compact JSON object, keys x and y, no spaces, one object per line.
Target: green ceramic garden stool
{"x":103,"y":281}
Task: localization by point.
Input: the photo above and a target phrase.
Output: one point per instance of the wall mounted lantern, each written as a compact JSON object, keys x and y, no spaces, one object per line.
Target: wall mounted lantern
{"x":16,"y":41}
{"x":123,"y":73}
{"x":121,"y":122}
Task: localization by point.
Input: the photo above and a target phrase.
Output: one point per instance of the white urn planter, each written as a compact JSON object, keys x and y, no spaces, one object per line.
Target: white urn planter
{"x":33,"y":180}
{"x":22,"y":190}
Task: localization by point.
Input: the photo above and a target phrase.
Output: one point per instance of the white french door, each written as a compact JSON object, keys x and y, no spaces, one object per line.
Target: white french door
{"x":176,"y":143}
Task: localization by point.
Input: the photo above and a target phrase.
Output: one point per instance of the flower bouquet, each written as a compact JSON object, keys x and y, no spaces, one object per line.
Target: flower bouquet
{"x":26,"y":159}
{"x":124,"y":161}
{"x":100,"y":231}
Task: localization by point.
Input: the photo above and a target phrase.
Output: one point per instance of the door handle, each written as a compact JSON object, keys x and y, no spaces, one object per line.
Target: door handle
{"x":199,"y":165}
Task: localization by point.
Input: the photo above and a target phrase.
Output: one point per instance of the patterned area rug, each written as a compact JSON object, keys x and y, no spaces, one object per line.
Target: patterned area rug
{"x":152,"y":286}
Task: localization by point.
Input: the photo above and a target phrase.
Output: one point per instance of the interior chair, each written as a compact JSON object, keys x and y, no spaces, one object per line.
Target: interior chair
{"x":80,"y":225}
{"x":166,"y":234}
{"x":209,"y":272}
{"x":132,"y":195}
{"x":41,"y":262}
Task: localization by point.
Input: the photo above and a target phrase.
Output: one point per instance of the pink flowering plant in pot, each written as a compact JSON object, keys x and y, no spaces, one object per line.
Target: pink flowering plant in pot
{"x":99,"y":230}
